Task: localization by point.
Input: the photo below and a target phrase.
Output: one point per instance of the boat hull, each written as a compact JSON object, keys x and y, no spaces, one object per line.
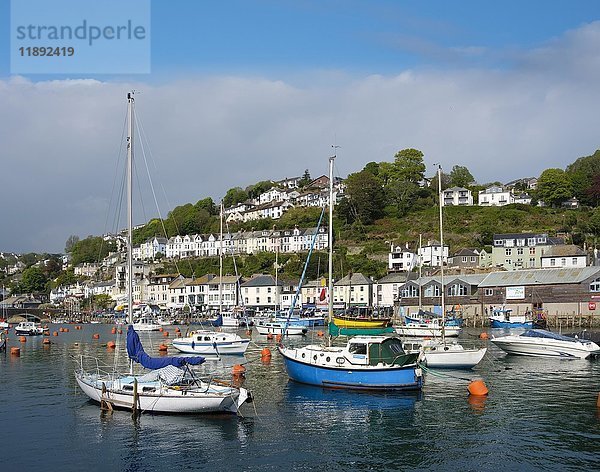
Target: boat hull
{"x":348,"y":322}
{"x":163,"y":400}
{"x":233,"y":347}
{"x":406,"y":377}
{"x":276,"y":328}
{"x":510,"y":324}
{"x":425,"y":330}
{"x":454,"y":359}
{"x":541,"y":348}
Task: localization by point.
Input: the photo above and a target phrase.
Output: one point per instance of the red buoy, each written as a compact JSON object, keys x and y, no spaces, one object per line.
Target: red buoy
{"x":477,"y":388}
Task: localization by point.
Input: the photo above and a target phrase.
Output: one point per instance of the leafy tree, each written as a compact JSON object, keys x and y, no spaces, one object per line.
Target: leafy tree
{"x":593,"y":192}
{"x":33,"y":280}
{"x":71,"y":240}
{"x":554,"y":187}
{"x":234,"y":196}
{"x":582,"y":173}
{"x":366,"y":196}
{"x":257,"y":189}
{"x":408,"y":166}
{"x":102,"y":301}
{"x":461,"y":177}
{"x":594,"y":222}
{"x":208,"y":205}
{"x":90,"y":249}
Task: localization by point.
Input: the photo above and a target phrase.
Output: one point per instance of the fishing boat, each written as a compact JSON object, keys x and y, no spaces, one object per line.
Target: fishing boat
{"x":502,"y":317}
{"x":361,"y":317}
{"x":211,"y":343}
{"x":543,"y":343}
{"x":364,"y":363}
{"x":30,"y":328}
{"x":169,"y":385}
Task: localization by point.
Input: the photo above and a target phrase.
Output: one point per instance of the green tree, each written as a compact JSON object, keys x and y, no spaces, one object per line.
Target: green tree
{"x":33,"y":280}
{"x":403,"y":179}
{"x":90,"y":249}
{"x":366,"y":196}
{"x":461,"y":177}
{"x":593,"y":222}
{"x":582,"y":173}
{"x":259,"y":188}
{"x":554,"y":187}
{"x":234,"y":196}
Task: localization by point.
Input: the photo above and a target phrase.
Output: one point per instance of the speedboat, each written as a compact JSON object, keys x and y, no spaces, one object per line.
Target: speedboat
{"x":364,"y":363}
{"x":540,"y":342}
{"x":30,"y":328}
{"x":211,"y":342}
{"x":503,"y":318}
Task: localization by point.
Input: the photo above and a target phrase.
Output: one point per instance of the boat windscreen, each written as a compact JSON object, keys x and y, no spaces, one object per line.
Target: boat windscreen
{"x":542,"y":333}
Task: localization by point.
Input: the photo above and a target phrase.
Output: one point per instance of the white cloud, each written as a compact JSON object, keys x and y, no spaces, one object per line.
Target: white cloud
{"x":60,"y":139}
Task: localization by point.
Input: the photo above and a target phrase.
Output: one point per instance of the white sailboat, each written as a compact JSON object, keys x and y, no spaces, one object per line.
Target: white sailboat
{"x":170,"y":385}
{"x":440,"y":353}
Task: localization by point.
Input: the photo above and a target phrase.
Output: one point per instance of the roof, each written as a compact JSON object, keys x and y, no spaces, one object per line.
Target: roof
{"x":466,"y":252}
{"x":539,"y":277}
{"x":397,"y":277}
{"x":354,"y":279}
{"x":564,"y":250}
{"x":261,"y":281}
{"x":469,"y":279}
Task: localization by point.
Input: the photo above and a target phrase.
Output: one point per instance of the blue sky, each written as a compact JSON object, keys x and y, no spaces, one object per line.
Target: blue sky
{"x":241,"y":91}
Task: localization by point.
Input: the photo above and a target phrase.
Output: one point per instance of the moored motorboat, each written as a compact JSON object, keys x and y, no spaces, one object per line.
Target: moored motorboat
{"x":364,"y":363}
{"x":211,"y":342}
{"x":434,"y":329}
{"x":540,"y":342}
{"x":449,"y":355}
{"x":504,"y":318}
{"x":146,"y":324}
{"x":30,"y":328}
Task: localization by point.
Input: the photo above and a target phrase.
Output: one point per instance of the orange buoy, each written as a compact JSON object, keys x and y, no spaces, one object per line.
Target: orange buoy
{"x":95,"y":336}
{"x":46,"y":341}
{"x":22,"y":339}
{"x":265,"y":353}
{"x":66,"y":330}
{"x":270,"y":336}
{"x":15,"y":351}
{"x":113,"y":331}
{"x":320,"y":333}
{"x":61,"y":329}
{"x":484,"y":335}
{"x":278,"y":338}
{"x":110,"y":344}
{"x":55,"y":333}
{"x":477,"y":388}
{"x":120,"y":331}
{"x":166,"y":334}
{"x":248,"y":332}
{"x":160,"y":329}
{"x":238,"y":369}
{"x":163,"y":347}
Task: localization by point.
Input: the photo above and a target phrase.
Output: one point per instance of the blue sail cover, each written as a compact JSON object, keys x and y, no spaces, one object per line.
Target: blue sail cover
{"x":542,"y":333}
{"x":136,"y":352}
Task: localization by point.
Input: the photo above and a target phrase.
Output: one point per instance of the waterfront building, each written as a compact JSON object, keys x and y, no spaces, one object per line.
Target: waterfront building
{"x":515,"y":251}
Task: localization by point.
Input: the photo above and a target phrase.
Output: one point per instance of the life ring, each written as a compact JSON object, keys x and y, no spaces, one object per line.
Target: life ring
{"x":340,"y":360}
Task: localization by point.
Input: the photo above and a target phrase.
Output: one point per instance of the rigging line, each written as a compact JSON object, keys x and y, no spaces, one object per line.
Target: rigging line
{"x":112,"y":193}
{"x":143,"y":138}
{"x":295,"y":299}
{"x":439,"y":374}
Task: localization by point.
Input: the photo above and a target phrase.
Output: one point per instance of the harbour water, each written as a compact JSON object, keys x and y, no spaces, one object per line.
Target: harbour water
{"x":540,"y":414}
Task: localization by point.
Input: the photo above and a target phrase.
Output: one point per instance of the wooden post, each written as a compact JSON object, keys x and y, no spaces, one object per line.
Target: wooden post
{"x":134,"y":407}
{"x":105,"y":404}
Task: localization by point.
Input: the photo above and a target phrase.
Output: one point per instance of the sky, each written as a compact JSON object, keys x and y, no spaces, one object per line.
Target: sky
{"x":236,"y":92}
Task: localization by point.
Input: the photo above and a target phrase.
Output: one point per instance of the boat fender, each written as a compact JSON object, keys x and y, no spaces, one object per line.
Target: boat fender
{"x":340,"y":360}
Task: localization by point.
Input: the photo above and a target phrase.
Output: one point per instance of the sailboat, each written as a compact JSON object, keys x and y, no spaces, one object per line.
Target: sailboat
{"x":169,"y":385}
{"x":441,"y":353}
{"x":376,"y":362}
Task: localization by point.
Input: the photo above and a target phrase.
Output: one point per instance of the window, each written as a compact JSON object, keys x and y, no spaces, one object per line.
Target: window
{"x":258,"y":300}
{"x":531,"y":262}
{"x":268,"y":289}
{"x":532,"y":251}
{"x":508,"y":252}
{"x":432,"y":291}
{"x":457,"y":289}
{"x":574,"y":261}
{"x":489,"y":292}
{"x":552,"y":262}
{"x":563,"y":262}
{"x":409,"y":291}
{"x":520,"y":251}
{"x":595,"y":285}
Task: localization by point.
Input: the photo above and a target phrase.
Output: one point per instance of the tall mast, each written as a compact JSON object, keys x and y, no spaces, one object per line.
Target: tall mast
{"x":330,"y":241}
{"x":442,"y":256}
{"x":130,"y":118}
{"x":221,"y":263}
{"x":420,"y":271}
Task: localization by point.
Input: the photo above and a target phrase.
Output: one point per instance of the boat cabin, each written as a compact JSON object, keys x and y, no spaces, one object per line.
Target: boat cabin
{"x":374,"y":350}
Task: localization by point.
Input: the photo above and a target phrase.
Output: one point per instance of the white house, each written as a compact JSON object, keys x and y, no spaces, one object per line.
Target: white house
{"x":565,"y":256}
{"x":401,"y":259}
{"x":386,"y":289}
{"x":457,"y":196}
{"x":432,"y":254}
{"x":495,"y":196}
